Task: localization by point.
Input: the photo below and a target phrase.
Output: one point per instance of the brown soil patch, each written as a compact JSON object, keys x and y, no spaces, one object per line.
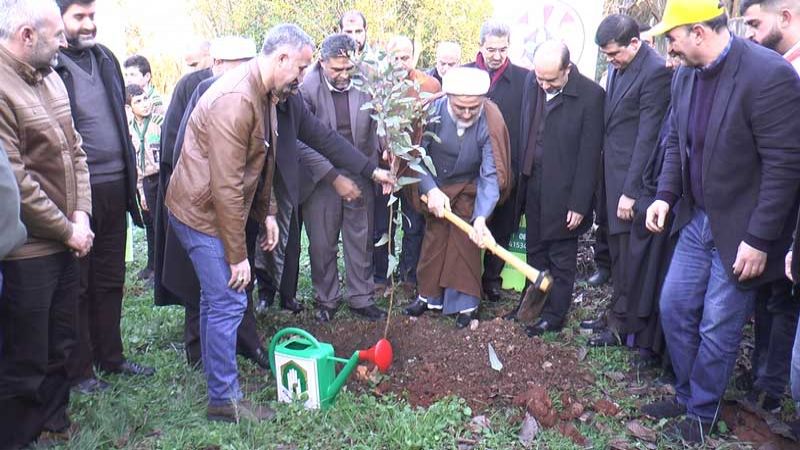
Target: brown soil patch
{"x":433,"y":359}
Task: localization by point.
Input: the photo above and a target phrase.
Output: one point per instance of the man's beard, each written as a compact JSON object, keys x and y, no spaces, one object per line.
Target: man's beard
{"x":42,"y":59}
{"x":287,"y":91}
{"x":772,"y":39}
{"x":82,"y":41}
{"x":462,"y":125}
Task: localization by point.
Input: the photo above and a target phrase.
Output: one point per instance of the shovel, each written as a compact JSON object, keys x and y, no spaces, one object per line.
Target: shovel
{"x":535,"y":296}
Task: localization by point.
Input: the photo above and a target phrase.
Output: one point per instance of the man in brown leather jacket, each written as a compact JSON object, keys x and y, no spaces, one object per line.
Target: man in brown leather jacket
{"x":40,"y":286}
{"x":225,"y":175}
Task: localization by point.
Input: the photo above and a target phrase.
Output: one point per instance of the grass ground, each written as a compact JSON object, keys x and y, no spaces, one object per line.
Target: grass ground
{"x":167,"y":411}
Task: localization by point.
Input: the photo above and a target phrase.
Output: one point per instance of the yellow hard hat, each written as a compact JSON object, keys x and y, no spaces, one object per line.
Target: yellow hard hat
{"x":686,"y":12}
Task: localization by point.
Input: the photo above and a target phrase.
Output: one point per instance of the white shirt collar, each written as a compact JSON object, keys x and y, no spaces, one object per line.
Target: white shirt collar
{"x":792,"y":50}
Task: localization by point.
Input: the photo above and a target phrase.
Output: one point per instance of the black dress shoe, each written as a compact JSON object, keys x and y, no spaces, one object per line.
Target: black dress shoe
{"x":90,"y":386}
{"x":493,"y":294}
{"x":690,"y":431}
{"x":416,"y":308}
{"x":265,"y":301}
{"x":262,"y":358}
{"x":132,"y":368}
{"x":664,"y":409}
{"x":605,"y":338}
{"x":371,"y":313}
{"x":599,"y":278}
{"x":145,"y":274}
{"x":597,"y":324}
{"x":463,"y":319}
{"x":540,"y":327}
{"x":291,"y":305}
{"x":325,"y":315}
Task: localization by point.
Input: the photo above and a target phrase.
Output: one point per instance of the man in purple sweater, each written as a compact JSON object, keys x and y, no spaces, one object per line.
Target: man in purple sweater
{"x":731,"y":174}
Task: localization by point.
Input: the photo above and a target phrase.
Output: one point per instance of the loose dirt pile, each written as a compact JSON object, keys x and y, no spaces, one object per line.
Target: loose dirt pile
{"x":432,"y":359}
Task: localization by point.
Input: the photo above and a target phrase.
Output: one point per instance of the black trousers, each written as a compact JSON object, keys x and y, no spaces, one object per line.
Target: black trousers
{"x":620,"y":255}
{"x":413,"y":233}
{"x":286,"y":287}
{"x":247,"y":340}
{"x":102,"y":285}
{"x":411,"y":244}
{"x":38,"y":313}
{"x":559,"y":257}
{"x":502,"y":226}
{"x":602,"y":252}
{"x":150,"y":188}
{"x":776,"y":314}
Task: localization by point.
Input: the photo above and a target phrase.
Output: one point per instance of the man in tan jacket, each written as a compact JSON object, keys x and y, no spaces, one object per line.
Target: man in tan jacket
{"x":40,"y":286}
{"x":225,"y":175}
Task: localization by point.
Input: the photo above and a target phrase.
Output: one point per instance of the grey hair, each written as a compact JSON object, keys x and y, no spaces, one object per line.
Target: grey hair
{"x":494,"y":28}
{"x":15,"y":14}
{"x":285,"y":34}
{"x":336,"y":45}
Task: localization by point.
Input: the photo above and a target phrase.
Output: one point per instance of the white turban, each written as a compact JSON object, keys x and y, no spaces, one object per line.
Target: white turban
{"x":232,"y":48}
{"x":465,"y":81}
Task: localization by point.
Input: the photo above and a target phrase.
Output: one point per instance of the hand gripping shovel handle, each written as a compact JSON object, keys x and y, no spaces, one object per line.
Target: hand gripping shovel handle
{"x":539,"y":279}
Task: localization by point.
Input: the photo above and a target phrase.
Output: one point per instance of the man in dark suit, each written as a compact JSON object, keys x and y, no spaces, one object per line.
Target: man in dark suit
{"x":562,"y":128}
{"x":637,"y":97}
{"x":731,"y":173}
{"x":507,"y":83}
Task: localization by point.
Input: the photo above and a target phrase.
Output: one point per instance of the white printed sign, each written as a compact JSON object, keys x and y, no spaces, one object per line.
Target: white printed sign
{"x":573,"y":21}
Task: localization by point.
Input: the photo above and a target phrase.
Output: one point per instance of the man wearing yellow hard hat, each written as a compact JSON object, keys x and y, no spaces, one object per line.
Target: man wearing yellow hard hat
{"x":730,"y":176}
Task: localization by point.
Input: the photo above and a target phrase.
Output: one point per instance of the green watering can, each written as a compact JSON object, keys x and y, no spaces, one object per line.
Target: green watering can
{"x":305,"y":369}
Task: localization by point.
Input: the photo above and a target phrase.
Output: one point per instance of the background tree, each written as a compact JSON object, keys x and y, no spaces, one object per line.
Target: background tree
{"x":426,"y":22}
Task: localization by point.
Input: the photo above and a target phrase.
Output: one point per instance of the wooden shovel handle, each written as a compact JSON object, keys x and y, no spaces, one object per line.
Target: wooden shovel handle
{"x":538,"y":278}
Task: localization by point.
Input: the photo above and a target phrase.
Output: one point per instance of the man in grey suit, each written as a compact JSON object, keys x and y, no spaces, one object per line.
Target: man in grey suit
{"x":637,"y":100}
{"x":329,"y":94}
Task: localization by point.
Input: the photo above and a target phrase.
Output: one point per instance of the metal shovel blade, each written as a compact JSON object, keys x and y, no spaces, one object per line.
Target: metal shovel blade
{"x":494,"y":361}
{"x":531,"y":305}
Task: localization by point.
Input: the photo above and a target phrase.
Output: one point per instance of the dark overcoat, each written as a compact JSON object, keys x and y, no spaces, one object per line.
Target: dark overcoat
{"x":573,"y":136}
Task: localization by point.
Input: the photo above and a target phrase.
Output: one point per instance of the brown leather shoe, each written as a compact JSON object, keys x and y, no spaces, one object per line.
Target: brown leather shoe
{"x":236,"y":411}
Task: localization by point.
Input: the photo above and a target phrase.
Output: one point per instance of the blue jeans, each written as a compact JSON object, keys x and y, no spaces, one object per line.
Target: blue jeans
{"x":703,"y":312}
{"x":795,"y":372}
{"x":221,"y":312}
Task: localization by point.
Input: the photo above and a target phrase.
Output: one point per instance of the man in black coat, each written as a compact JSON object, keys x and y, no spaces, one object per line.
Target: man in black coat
{"x":96,"y":90}
{"x":637,"y":97}
{"x":731,"y":173}
{"x":507,"y":83}
{"x":562,"y":128}
{"x":170,"y":295}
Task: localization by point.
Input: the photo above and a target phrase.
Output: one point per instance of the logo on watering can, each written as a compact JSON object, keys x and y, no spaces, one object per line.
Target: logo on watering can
{"x":294,"y":380}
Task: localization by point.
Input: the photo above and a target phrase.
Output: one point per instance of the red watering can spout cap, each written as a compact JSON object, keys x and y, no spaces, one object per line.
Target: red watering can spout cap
{"x":380,"y":354}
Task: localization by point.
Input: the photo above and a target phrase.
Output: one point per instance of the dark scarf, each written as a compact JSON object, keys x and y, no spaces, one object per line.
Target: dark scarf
{"x":496,"y":74}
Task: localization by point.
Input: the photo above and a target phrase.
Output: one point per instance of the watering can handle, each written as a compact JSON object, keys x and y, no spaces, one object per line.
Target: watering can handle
{"x":284,"y":332}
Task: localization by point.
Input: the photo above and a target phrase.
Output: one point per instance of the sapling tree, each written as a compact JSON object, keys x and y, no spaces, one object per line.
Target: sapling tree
{"x":400,"y":112}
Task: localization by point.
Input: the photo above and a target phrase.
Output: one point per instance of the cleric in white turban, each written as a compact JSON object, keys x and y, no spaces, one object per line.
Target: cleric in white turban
{"x":465,"y":87}
{"x":467,"y":182}
{"x":232,"y":48}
